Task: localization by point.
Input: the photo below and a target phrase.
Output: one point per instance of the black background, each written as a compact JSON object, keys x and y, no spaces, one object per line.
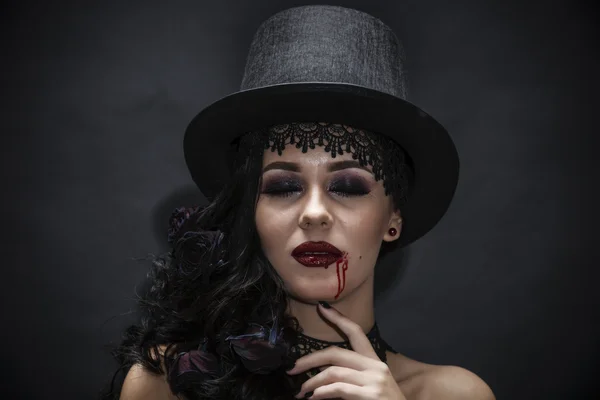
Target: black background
{"x":95,"y":100}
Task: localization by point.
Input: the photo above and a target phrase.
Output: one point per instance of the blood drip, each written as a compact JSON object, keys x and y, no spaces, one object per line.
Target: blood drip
{"x":343,"y":262}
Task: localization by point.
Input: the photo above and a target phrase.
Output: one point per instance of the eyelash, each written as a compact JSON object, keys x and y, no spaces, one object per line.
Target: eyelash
{"x":277,"y":190}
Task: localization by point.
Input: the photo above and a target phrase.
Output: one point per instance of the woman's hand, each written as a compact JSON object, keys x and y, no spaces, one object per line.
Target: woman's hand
{"x":356,"y":374}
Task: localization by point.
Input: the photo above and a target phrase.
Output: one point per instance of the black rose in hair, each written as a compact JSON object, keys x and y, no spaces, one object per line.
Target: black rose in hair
{"x":178,"y":218}
{"x":261,"y":350}
{"x":190,"y":241}
{"x":200,"y":362}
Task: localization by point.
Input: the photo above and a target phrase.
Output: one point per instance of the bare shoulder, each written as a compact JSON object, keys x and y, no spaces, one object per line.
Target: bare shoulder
{"x":142,"y":384}
{"x":422,"y":381}
{"x":453,"y":382}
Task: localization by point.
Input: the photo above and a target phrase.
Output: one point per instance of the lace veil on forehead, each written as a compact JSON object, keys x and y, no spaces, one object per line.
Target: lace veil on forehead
{"x":387,"y":159}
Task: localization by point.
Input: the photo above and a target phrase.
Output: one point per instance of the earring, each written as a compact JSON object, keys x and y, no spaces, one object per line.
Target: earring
{"x":392,"y":231}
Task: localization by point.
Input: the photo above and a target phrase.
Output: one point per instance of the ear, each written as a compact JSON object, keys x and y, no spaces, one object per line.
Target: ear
{"x":395,"y":222}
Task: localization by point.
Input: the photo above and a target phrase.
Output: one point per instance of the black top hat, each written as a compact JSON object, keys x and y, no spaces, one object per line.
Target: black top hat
{"x":331,"y":64}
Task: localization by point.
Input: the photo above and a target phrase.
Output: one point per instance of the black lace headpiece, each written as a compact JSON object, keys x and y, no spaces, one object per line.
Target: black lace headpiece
{"x":387,"y":159}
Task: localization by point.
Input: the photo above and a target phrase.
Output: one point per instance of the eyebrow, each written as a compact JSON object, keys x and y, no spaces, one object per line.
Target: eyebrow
{"x":331,"y":167}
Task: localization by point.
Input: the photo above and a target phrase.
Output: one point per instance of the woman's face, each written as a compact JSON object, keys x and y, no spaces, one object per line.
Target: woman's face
{"x":305,"y":197}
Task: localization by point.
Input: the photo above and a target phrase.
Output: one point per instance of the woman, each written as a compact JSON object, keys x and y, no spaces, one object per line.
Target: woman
{"x":301,"y":211}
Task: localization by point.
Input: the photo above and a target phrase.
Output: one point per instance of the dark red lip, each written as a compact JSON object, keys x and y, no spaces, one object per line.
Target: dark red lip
{"x":316,"y":247}
{"x":304,"y":254}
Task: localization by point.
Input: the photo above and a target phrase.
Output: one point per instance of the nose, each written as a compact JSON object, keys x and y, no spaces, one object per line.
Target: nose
{"x":315,"y":213}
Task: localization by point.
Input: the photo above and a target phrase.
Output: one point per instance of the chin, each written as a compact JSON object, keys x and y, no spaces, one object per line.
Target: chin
{"x":313,"y":293}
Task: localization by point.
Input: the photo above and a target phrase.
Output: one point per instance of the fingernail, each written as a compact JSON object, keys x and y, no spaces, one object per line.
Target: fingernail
{"x":289,"y":368}
{"x":307,"y":395}
{"x":325,"y":304}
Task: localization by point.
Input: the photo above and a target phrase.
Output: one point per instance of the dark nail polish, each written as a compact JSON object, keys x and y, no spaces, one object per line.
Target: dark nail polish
{"x":290,"y":367}
{"x":307,"y":395}
{"x":325,"y":304}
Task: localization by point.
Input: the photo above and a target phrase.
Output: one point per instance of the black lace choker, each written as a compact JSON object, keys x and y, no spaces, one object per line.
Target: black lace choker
{"x":307,"y":344}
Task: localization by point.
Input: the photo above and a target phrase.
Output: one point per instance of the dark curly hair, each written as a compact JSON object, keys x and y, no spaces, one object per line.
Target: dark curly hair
{"x":213,"y":284}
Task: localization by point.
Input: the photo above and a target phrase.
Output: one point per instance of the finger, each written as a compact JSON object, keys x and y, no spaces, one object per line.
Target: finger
{"x":331,"y":375}
{"x":358,"y":339}
{"x":334,"y":356}
{"x":346,"y":391}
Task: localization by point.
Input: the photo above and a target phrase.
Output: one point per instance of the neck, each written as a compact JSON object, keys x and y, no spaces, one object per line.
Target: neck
{"x":356,"y":305}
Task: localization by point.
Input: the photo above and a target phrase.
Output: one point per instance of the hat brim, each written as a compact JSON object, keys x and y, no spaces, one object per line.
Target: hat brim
{"x":434,"y":155}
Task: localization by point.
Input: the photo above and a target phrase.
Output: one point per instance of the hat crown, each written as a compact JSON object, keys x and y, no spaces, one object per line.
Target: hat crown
{"x":326,"y":44}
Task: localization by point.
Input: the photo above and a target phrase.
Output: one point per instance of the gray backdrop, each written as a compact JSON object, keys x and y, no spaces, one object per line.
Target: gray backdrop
{"x":95,"y":100}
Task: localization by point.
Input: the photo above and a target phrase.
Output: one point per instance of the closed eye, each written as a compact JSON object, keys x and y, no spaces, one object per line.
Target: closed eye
{"x":341,"y":187}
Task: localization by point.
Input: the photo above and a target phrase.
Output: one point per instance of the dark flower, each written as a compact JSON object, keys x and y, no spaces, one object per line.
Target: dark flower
{"x":190,"y":242}
{"x":178,"y":218}
{"x":261,"y":350}
{"x":200,"y":362}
